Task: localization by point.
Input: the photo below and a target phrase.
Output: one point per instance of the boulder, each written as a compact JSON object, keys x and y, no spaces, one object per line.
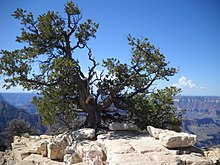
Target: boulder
{"x":113,"y":147}
{"x":84,"y":133}
{"x":93,"y":154}
{"x":125,"y":148}
{"x":20,"y":151}
{"x":213,"y":154}
{"x":42,"y":149}
{"x":101,"y":138}
{"x":53,"y":151}
{"x":115,"y":126}
{"x":172,"y":139}
{"x":90,"y":152}
{"x":71,"y":157}
{"x":20,"y":148}
{"x":154,"y":131}
{"x":57,"y":147}
{"x":39,"y":148}
{"x":177,"y":140}
{"x":38,"y":144}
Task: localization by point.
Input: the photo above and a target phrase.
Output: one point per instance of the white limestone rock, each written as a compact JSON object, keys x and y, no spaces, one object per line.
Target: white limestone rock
{"x":115,"y":147}
{"x":71,"y":157}
{"x":115,"y":126}
{"x":136,"y":159}
{"x":145,"y":145}
{"x":39,"y":147}
{"x":16,"y":139}
{"x":53,"y":150}
{"x":38,"y":144}
{"x":46,"y":137}
{"x":90,"y":152}
{"x":93,"y":154}
{"x":195,"y":160}
{"x":102,"y":138}
{"x":213,"y":154}
{"x":172,"y":139}
{"x":56,"y":149}
{"x":154,"y":131}
{"x":35,"y":159}
{"x":70,"y":149}
{"x":177,"y":140}
{"x":20,"y":151}
{"x":84,"y":133}
{"x":34,"y":138}
{"x":118,"y":146}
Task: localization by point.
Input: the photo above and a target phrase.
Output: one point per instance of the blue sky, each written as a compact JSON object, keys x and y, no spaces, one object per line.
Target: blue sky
{"x":186,"y":31}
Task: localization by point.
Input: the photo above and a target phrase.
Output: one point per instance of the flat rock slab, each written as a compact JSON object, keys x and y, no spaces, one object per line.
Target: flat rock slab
{"x":135,"y":148}
{"x":172,"y":139}
{"x":147,"y":145}
{"x":132,"y":159}
{"x":39,"y":160}
{"x":177,"y":140}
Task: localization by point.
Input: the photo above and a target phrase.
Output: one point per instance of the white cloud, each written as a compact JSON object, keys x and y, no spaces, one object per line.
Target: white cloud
{"x":184,"y":82}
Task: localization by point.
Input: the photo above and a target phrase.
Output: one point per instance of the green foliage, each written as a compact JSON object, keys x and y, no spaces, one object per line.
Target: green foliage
{"x":56,"y":102}
{"x":157,"y":110}
{"x":18,"y":128}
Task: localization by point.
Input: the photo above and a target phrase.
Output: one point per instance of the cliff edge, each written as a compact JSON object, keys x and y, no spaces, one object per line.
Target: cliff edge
{"x":122,"y":145}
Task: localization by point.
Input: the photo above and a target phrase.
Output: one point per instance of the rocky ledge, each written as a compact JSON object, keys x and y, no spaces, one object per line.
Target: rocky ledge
{"x":114,"y":147}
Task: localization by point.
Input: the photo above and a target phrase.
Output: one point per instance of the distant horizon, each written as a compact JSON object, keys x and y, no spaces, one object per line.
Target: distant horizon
{"x":26,"y":92}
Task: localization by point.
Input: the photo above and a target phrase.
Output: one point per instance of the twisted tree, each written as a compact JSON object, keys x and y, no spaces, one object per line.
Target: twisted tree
{"x":50,"y":42}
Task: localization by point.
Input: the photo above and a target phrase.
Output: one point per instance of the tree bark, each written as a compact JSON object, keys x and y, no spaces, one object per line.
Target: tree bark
{"x":89,"y":108}
{"x":98,"y":117}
